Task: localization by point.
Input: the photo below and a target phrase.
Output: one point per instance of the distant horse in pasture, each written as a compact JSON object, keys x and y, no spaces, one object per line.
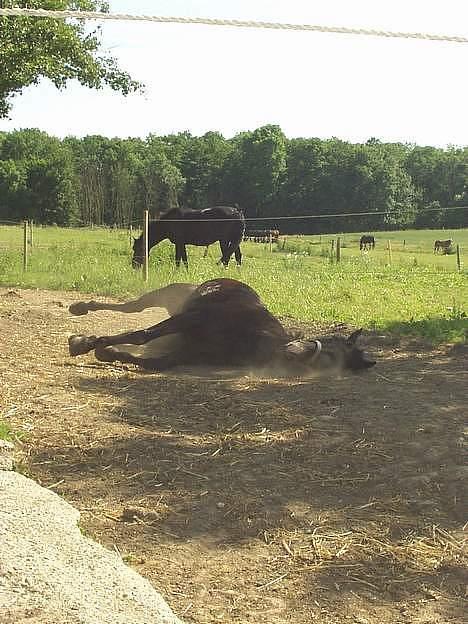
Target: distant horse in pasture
{"x":367,"y":242}
{"x":221,"y":322}
{"x":225,"y":224}
{"x":443,"y":245}
{"x":262,"y":236}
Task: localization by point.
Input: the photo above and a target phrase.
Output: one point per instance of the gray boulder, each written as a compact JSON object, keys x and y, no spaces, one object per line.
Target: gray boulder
{"x":51,"y":574}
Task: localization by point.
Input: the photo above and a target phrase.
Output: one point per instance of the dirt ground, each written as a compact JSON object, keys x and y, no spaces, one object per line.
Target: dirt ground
{"x":245,"y":499}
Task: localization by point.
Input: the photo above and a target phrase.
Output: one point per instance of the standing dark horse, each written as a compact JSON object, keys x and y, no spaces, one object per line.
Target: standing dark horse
{"x":367,"y":242}
{"x":195,"y":227}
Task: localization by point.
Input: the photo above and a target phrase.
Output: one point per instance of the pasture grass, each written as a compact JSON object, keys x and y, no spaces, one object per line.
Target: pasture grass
{"x":6,"y":432}
{"x":419,"y":293}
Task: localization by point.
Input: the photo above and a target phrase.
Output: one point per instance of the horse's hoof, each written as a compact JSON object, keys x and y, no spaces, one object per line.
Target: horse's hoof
{"x":106,"y":354}
{"x":79,"y":345}
{"x":78,"y":309}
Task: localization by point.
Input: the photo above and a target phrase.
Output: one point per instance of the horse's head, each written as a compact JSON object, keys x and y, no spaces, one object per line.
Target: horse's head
{"x":327,"y":355}
{"x":353,"y":357}
{"x":138,"y":253}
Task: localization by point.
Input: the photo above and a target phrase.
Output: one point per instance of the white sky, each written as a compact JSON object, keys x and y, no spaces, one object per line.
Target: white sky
{"x":202,"y":78}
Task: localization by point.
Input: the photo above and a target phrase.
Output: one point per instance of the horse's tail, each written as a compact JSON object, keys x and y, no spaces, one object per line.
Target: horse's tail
{"x":242,"y":224}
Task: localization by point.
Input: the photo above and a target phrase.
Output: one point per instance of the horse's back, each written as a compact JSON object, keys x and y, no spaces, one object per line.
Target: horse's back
{"x":215,"y":212}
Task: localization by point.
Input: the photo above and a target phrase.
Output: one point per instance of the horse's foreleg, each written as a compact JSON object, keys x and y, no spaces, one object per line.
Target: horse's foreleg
{"x":111,"y":354}
{"x":170,"y":297}
{"x":238,"y":255}
{"x":79,"y":345}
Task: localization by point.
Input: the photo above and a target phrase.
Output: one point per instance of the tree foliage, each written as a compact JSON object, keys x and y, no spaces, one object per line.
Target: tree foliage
{"x":111,"y":181}
{"x":32,"y":48}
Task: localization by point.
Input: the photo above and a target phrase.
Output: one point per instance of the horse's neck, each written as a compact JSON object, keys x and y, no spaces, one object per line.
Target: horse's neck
{"x":156,"y":233}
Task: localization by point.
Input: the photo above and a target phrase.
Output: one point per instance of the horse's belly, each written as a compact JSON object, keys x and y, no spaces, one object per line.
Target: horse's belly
{"x":202,"y":241}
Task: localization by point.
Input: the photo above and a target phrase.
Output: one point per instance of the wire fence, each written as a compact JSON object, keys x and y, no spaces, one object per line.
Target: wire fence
{"x":392,"y":249}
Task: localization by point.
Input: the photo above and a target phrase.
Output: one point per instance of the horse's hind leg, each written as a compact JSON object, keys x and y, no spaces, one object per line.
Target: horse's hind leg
{"x":238,"y":255}
{"x":171,"y":297}
{"x":229,"y":248}
{"x":78,"y":345}
{"x":224,"y":249}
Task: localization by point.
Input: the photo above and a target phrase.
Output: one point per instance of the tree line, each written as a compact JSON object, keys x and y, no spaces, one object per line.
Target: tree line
{"x":102,"y":181}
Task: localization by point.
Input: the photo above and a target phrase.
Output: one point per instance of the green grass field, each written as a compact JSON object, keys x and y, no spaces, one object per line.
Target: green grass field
{"x":419,"y":293}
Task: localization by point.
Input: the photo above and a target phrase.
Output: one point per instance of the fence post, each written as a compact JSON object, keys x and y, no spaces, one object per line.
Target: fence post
{"x":458,"y":257}
{"x":25,"y":245}
{"x":145,"y":245}
{"x":338,"y":249}
{"x":284,"y":242}
{"x":130,"y":234}
{"x":271,"y":246}
{"x":31,"y":235}
{"x":389,"y":249}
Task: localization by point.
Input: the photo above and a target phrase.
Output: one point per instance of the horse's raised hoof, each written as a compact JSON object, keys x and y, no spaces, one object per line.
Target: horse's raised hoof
{"x":79,"y":345}
{"x":78,"y":309}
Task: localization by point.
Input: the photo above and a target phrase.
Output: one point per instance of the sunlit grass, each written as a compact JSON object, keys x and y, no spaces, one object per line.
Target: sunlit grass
{"x":419,"y":293}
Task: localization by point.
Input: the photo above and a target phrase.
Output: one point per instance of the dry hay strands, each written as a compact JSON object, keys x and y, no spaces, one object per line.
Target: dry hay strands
{"x":353,"y":550}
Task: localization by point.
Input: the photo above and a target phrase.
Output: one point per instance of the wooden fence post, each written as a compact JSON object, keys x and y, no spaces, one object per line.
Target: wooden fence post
{"x":31,"y":235}
{"x":271,"y":247}
{"x":145,"y":245}
{"x":458,"y":257}
{"x":25,"y":245}
{"x":338,"y":249}
{"x":130,"y":234}
{"x":389,"y":249}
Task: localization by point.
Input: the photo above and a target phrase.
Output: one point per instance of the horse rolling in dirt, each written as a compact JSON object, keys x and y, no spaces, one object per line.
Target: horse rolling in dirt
{"x":367,"y":242}
{"x":443,"y":245}
{"x":225,"y":224}
{"x":221,"y":322}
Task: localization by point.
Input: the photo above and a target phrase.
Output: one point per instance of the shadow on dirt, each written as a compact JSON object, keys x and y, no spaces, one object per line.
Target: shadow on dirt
{"x":436,"y":329}
{"x":375,"y":461}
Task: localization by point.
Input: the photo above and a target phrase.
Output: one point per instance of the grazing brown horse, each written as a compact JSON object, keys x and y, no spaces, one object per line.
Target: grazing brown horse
{"x":222,"y":322}
{"x":443,"y":245}
{"x":225,"y":224}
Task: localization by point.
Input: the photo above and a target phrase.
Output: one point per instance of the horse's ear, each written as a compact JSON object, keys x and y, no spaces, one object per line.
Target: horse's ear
{"x":351,"y":341}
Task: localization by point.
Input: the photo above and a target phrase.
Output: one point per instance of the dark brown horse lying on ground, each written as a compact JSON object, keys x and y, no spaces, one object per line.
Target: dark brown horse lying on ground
{"x":222,"y":322}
